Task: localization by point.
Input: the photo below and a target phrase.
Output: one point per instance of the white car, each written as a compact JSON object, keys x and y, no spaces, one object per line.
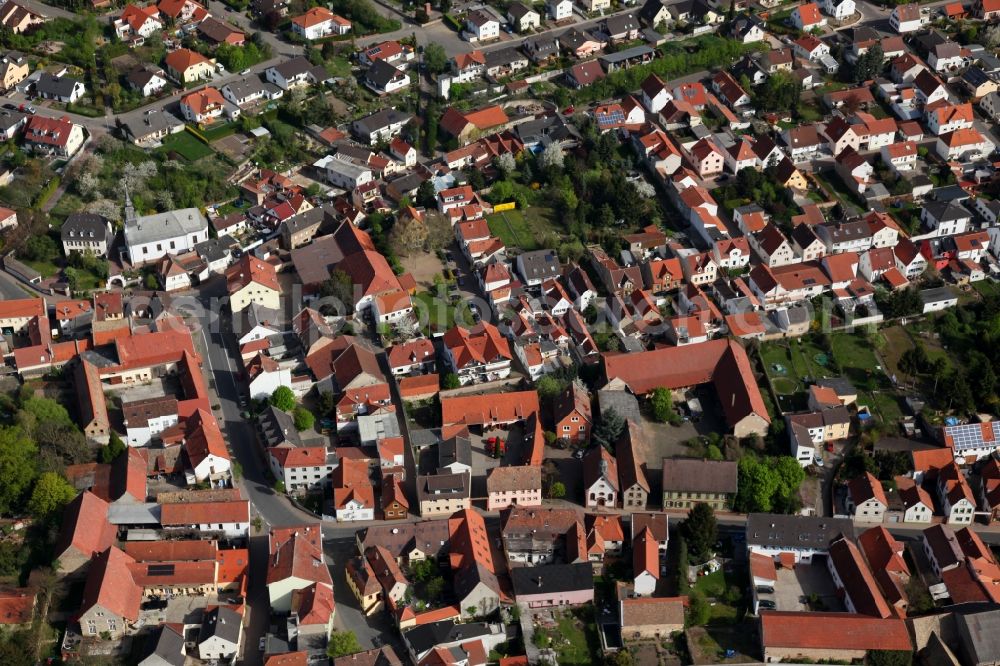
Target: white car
{"x":818,"y":461}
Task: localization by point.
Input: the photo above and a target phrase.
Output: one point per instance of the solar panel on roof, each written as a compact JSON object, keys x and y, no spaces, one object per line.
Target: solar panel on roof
{"x":161,"y":570}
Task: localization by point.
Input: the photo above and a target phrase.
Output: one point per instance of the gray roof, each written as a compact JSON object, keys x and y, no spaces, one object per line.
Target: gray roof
{"x":627,"y":54}
{"x":372,"y":427}
{"x":622,"y":402}
{"x":552,"y":578}
{"x":381,"y":73}
{"x":502,"y":57}
{"x":248,"y":86}
{"x":381,"y":119}
{"x":937,"y":295}
{"x":161,"y":226}
{"x":945,"y":211}
{"x":841,"y":385}
{"x":134,"y":514}
{"x":216,"y":248}
{"x":277,"y":427}
{"x":165,"y":648}
{"x":82,"y":226}
{"x":455,"y":450}
{"x":56,"y":86}
{"x":221,"y":622}
{"x":980,"y":636}
{"x":519,"y":10}
{"x":425,"y":637}
{"x":295,"y":67}
{"x":540,"y":264}
{"x":10,"y":118}
{"x":442,"y":486}
{"x":151,"y":123}
{"x":771,"y":530}
{"x":140,"y":76}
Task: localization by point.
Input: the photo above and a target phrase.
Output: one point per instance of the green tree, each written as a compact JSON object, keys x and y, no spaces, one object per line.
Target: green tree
{"x":114,"y":448}
{"x":435,"y":59}
{"x":59,"y":445}
{"x":51,"y":493}
{"x":326,"y":403}
{"x":422,"y":570}
{"x":557,"y":490}
{"x":889,"y":658}
{"x":17,"y":468}
{"x":340,"y":288}
{"x":699,"y":612}
{"x":682,"y":567}
{"x":46,"y":409}
{"x":548,"y":388}
{"x":283,"y":399}
{"x":450,"y":381}
{"x":342,"y":643}
{"x":608,"y":429}
{"x":700,"y":531}
{"x":17,"y":648}
{"x":304,"y":419}
{"x":434,"y":588}
{"x":662,"y":404}
{"x":869,"y":64}
{"x":620,"y":658}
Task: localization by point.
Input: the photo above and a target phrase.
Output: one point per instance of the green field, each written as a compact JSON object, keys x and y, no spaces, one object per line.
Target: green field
{"x":187,"y":146}
{"x":575,"y":638}
{"x":522,"y":228}
{"x":800,"y":366}
{"x":440,"y":312}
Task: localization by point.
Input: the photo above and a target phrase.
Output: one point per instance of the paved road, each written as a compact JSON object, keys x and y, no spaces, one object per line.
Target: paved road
{"x":222,"y":364}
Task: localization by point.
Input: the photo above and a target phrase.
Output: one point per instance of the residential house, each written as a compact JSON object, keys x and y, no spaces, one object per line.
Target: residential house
{"x":806,"y":17}
{"x":600,"y":478}
{"x":187,"y":66}
{"x":689,"y":481}
{"x":866,"y":499}
{"x":319,"y":22}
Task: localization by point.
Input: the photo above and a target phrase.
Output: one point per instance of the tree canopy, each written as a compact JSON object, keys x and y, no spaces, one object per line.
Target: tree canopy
{"x":608,"y":429}
{"x":51,"y":493}
{"x":700,"y":531}
{"x":283,"y":399}
{"x":304,"y":419}
{"x":17,"y":467}
{"x":342,"y":643}
{"x":768,"y":484}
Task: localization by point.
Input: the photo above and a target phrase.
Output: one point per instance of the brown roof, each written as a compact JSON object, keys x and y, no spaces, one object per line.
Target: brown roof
{"x":138,"y":412}
{"x":629,"y":466}
{"x":646,"y":554}
{"x":639,"y":612}
{"x":297,"y":552}
{"x":573,"y":399}
{"x":866,"y":487}
{"x":695,"y":475}
{"x":251,"y":269}
{"x":514,"y":478}
{"x":857,"y":580}
{"x":597,"y":463}
{"x":762,"y":566}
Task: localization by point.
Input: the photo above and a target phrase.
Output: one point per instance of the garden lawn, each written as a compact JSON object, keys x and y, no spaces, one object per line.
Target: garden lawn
{"x":860,"y":365}
{"x":187,"y":146}
{"x":576,"y":644}
{"x":438,"y":313}
{"x":522,"y":228}
{"x":714,"y":586}
{"x":46,"y":268}
{"x":219,"y":131}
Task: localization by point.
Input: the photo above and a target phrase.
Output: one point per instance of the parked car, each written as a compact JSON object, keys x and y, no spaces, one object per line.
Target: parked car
{"x":765,"y":589}
{"x":766,"y":604}
{"x":818,"y":461}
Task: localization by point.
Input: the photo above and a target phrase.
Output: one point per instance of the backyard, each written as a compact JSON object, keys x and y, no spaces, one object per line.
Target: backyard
{"x":573,"y":638}
{"x":793,"y":364}
{"x":440,"y":311}
{"x":186,"y":145}
{"x":525,"y":228}
{"x":726,"y":636}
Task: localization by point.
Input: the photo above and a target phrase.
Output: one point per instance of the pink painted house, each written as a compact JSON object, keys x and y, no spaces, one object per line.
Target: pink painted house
{"x":554,"y":585}
{"x":514,"y":486}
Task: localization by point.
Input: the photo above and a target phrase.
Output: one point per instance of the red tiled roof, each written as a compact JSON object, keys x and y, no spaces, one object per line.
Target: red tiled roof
{"x":85,"y":526}
{"x":203,"y":513}
{"x":723,"y":362}
{"x":181,"y":59}
{"x":17,"y":605}
{"x":251,"y":269}
{"x":832,"y":631}
{"x":110,"y":585}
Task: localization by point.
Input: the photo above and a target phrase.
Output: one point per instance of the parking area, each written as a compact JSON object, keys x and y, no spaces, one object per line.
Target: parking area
{"x":806,"y":587}
{"x":157,"y":388}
